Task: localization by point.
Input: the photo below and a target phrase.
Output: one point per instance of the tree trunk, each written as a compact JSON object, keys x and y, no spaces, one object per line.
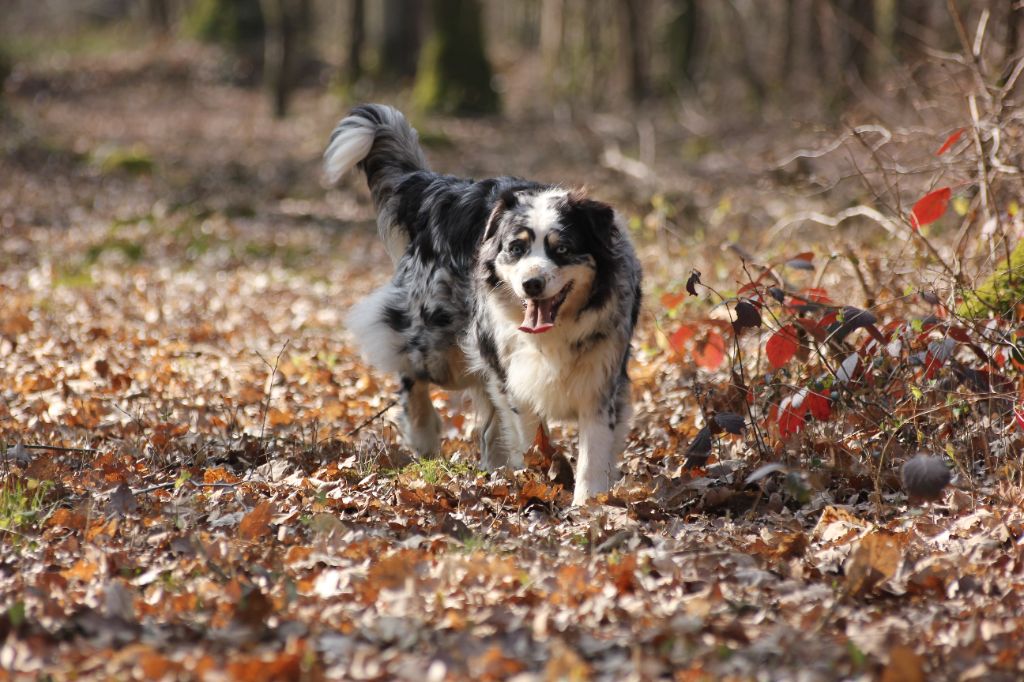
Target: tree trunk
{"x":683,"y":31}
{"x":857,"y":22}
{"x":158,"y":13}
{"x":400,"y":41}
{"x":234,"y":24}
{"x":454,"y":75}
{"x":357,"y":38}
{"x":286,"y":22}
{"x":635,"y":36}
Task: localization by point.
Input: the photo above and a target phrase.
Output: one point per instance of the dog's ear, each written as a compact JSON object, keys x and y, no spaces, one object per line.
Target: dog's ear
{"x":592,"y":216}
{"x":506,"y":201}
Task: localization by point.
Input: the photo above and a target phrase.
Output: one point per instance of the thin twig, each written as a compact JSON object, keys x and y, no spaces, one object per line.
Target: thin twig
{"x":270,"y":386}
{"x":60,"y":448}
{"x":394,"y":401}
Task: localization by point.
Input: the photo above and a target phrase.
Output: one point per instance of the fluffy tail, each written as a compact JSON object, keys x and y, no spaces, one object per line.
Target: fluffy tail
{"x":377,"y":138}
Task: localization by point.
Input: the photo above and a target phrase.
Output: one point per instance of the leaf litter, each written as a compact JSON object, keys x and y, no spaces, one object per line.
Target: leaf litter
{"x":225,"y":497}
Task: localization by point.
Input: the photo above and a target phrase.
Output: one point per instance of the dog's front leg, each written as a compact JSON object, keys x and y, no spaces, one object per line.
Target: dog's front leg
{"x":420,"y":423}
{"x":595,"y":469}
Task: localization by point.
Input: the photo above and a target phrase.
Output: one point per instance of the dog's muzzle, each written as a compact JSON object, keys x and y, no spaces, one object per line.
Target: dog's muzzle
{"x":540,"y":313}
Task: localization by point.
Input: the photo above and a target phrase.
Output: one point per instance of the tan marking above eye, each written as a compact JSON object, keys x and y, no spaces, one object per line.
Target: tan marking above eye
{"x":523,"y":235}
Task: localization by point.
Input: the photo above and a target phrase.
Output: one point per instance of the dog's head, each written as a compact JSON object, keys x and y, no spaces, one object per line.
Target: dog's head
{"x":548,"y":250}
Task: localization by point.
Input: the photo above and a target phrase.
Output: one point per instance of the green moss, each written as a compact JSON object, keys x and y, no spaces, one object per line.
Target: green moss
{"x":235,"y":23}
{"x":1001,"y":292}
{"x":454,"y":76}
{"x":133,"y":160}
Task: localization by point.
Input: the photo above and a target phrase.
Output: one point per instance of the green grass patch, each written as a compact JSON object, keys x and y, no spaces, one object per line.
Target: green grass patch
{"x":132,"y":251}
{"x":81,"y":41}
{"x":435,"y":470}
{"x":21,"y":503}
{"x":73,"y":277}
{"x":1001,"y":292}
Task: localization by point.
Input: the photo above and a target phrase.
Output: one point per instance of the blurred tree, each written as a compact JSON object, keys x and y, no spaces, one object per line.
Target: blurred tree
{"x":636,"y":37}
{"x":400,"y":40}
{"x":158,"y":14}
{"x":454,"y":74}
{"x":357,"y":37}
{"x":681,"y":40}
{"x":237,"y":24}
{"x":287,"y":23}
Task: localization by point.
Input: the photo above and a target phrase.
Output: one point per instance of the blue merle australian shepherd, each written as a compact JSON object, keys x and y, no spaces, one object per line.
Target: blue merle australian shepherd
{"x":523,"y":294}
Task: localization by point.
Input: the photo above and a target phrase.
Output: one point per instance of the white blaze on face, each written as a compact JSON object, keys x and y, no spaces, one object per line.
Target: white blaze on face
{"x":542,"y":217}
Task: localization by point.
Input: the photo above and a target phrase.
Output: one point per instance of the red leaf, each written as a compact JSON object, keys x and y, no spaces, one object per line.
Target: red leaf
{"x":815,"y":329}
{"x":818,"y":405}
{"x":747,"y":288}
{"x":791,"y":414}
{"x":679,"y":338}
{"x":816,"y":295}
{"x":950,"y":141}
{"x":806,"y":255}
{"x":932,"y":365}
{"x":710,"y":354}
{"x":930,"y":208}
{"x":782,"y":346}
{"x":1018,"y":414}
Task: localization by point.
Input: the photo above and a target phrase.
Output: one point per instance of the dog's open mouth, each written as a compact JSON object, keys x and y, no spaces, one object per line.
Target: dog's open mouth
{"x":539,"y":314}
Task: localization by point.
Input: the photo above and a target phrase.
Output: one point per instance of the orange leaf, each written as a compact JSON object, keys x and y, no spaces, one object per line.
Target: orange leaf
{"x":671,"y":301}
{"x":82,"y":570}
{"x":219,"y":475}
{"x":950,"y":141}
{"x":930,"y":208}
{"x":782,"y":346}
{"x":710,"y":354}
{"x":257,"y":522}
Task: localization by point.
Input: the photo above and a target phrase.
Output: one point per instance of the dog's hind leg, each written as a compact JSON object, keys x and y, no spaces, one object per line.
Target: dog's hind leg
{"x":420,"y":423}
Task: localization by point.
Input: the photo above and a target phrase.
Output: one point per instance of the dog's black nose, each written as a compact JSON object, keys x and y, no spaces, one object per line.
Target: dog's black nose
{"x":533,"y":286}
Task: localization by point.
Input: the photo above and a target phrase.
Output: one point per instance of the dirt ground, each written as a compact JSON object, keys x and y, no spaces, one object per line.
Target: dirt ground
{"x":201,"y":480}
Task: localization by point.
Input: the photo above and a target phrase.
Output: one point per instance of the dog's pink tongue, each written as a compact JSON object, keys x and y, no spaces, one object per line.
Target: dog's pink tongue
{"x":539,"y":316}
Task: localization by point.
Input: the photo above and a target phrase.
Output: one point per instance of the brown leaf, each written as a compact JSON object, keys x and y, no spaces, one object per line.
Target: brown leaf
{"x":904,"y":666}
{"x":876,"y":559}
{"x":256,"y":523}
{"x":122,"y":501}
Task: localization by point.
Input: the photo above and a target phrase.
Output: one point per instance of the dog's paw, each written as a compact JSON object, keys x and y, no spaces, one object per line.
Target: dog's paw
{"x":423,"y":439}
{"x":588,"y":488}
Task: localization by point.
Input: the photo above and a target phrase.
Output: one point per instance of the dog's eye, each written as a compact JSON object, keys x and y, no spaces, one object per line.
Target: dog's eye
{"x":561,"y":250}
{"x":516,"y":248}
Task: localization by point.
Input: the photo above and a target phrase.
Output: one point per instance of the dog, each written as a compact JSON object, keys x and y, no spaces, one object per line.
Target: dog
{"x":524,"y":294}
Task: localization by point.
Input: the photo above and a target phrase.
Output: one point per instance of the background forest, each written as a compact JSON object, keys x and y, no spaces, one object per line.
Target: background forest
{"x":199,"y":479}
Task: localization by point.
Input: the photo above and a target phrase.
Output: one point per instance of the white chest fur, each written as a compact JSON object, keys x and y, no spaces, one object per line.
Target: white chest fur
{"x":552,"y":375}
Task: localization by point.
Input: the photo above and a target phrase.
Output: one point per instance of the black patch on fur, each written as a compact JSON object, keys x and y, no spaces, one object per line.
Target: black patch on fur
{"x":492,"y":274}
{"x":588,"y":342}
{"x":489,"y":352}
{"x":437,"y":317}
{"x":590,"y":225}
{"x":407,"y":384}
{"x":396,"y":318}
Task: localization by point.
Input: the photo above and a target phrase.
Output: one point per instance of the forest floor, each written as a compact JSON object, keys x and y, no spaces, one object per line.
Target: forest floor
{"x":201,"y":480}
